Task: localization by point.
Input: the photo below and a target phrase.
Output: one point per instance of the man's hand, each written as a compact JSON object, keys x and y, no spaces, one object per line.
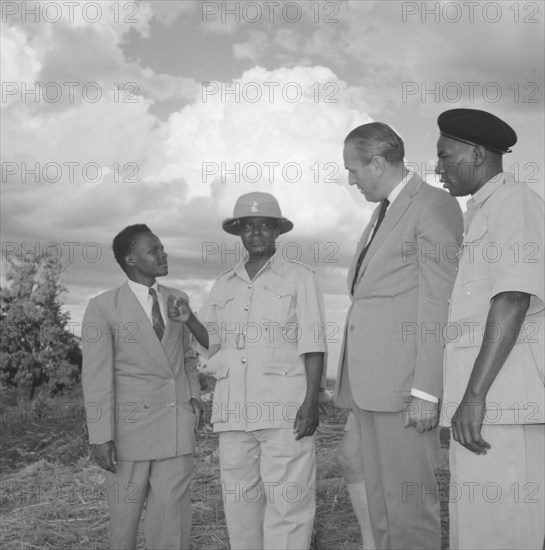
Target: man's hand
{"x":323,"y":399}
{"x":306,"y":419}
{"x":503,"y":323}
{"x":467,"y":422}
{"x":178,"y":308}
{"x":105,"y":455}
{"x":422,"y":414}
{"x":197,"y":409}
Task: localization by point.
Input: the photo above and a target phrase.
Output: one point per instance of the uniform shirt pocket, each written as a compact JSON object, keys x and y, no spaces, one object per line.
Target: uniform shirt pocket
{"x":280,"y":300}
{"x":282,"y":368}
{"x":222,"y":305}
{"x":475,"y":254}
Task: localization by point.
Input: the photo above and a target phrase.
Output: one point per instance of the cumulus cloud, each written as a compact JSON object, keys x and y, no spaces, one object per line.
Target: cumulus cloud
{"x":278,"y":130}
{"x":181,"y":176}
{"x":292,"y":92}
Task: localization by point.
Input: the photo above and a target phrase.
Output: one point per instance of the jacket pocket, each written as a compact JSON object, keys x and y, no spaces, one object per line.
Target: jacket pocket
{"x":222,"y":304}
{"x":280,"y":299}
{"x":471,"y":254}
{"x":281,"y":368}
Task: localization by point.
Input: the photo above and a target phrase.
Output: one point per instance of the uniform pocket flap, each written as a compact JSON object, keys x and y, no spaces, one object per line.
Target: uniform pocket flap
{"x":475,"y":233}
{"x":281,"y":368}
{"x":280,"y":291}
{"x":220,"y":304}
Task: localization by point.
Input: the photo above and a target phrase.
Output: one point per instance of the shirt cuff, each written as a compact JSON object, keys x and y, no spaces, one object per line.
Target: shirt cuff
{"x":423,"y":395}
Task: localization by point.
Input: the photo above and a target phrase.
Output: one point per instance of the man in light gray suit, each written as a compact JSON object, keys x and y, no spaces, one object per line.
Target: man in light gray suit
{"x":142,"y":394}
{"x":391,"y":365}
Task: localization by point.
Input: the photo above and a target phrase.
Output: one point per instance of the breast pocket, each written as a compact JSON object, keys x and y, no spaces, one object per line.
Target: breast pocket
{"x":223,"y":304}
{"x":222,"y":311}
{"x":475,"y":255}
{"x":280,"y":301}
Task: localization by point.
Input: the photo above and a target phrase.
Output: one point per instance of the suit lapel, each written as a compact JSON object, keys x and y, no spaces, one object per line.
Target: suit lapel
{"x":361,"y":245}
{"x":174,"y":330}
{"x":393,"y":215}
{"x":131,"y":312}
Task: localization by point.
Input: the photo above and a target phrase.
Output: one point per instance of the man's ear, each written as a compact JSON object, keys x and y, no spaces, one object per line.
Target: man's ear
{"x":378,"y":164}
{"x":131,"y":259}
{"x":478,"y":155}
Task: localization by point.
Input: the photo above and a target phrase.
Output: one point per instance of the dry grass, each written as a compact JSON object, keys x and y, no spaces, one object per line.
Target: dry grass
{"x":51,"y":494}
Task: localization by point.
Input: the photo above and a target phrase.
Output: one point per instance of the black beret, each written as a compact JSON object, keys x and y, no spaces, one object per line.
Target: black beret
{"x":476,"y":127}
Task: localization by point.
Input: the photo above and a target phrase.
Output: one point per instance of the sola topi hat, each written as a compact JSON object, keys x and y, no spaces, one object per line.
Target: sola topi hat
{"x":256,"y":205}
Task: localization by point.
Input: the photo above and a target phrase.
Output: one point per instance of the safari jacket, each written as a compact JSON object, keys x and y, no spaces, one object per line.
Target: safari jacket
{"x":259,"y":331}
{"x":502,"y":251}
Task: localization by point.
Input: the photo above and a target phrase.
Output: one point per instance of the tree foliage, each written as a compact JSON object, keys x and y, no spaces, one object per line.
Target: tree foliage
{"x":37,"y":351}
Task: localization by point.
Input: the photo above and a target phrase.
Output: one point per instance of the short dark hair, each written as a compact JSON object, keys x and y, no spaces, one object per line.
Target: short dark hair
{"x":125,"y":242}
{"x":377,"y":138}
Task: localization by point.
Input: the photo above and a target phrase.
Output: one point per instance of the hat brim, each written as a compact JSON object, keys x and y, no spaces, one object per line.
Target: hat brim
{"x":232,"y":226}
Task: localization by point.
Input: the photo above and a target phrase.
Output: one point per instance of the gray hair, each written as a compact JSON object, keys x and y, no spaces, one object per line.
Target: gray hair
{"x":377,"y":139}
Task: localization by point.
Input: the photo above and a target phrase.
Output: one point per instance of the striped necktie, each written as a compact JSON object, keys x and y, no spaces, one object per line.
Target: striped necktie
{"x":381,"y":214}
{"x":156,"y":318}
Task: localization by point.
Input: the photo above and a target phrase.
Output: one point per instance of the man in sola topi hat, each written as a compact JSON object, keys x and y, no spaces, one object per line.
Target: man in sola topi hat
{"x":265,"y":321}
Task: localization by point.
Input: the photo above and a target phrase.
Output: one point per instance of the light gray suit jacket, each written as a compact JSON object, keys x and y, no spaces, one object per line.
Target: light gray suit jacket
{"x":137,"y":390}
{"x":393,"y":335}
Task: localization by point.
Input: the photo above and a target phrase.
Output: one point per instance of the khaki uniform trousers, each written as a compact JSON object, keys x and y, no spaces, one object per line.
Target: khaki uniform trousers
{"x":268,"y":484}
{"x":496,"y":500}
{"x":165,"y":487}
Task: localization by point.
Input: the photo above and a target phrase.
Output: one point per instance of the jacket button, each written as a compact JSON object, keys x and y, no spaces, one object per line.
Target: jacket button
{"x":284,"y":372}
{"x":243,"y":360}
{"x":246,"y":308}
{"x":249,"y":286}
{"x":146,"y":406}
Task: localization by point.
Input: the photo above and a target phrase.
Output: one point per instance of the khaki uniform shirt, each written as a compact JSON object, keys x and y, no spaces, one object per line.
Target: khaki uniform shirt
{"x":502,"y":251}
{"x":259,"y":331}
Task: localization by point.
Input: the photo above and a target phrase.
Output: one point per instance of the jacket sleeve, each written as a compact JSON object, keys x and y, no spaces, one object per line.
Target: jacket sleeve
{"x":98,"y":374}
{"x":439,"y":234}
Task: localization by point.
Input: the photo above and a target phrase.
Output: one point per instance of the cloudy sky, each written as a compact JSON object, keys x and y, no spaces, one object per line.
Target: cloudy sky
{"x":164,"y":112}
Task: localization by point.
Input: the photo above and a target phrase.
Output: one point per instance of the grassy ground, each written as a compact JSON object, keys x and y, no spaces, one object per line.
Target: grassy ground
{"x":51,"y":495}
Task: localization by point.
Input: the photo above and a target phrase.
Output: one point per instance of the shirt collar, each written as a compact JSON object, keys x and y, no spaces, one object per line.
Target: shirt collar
{"x":489,"y":188}
{"x":276,"y":262}
{"x":142,"y":291}
{"x":399,"y":187}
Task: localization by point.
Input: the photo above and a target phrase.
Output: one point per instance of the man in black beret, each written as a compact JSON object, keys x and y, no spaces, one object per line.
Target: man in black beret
{"x":494,"y":396}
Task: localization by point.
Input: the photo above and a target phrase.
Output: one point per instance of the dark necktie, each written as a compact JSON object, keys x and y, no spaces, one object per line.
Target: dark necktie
{"x":156,"y":318}
{"x":381,"y":214}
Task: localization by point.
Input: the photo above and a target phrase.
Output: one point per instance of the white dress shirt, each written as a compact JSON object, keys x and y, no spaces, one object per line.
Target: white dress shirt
{"x":391,"y":198}
{"x":146,"y":301}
